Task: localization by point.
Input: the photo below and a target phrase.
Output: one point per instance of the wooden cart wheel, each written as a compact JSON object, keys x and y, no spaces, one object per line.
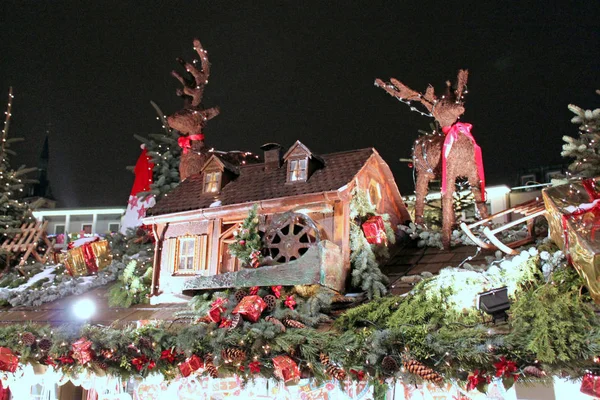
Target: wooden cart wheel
{"x":290,"y":236}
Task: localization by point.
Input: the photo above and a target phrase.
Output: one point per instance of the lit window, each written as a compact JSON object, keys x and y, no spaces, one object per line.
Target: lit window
{"x":186,"y":254}
{"x":211,"y":182}
{"x":374,"y":193}
{"x":189,"y":253}
{"x":297,"y":170}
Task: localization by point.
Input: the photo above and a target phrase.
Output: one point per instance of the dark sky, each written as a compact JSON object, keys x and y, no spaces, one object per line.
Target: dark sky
{"x":290,"y":70}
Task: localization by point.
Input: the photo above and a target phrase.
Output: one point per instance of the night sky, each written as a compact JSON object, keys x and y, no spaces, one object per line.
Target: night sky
{"x":290,"y":70}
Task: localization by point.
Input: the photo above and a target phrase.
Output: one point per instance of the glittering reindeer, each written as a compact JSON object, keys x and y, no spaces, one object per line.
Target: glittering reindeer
{"x":448,"y":157}
{"x":193,"y":117}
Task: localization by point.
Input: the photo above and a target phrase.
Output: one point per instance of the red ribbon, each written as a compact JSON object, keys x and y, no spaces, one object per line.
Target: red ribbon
{"x":452,"y":133}
{"x":185,"y":142}
{"x":594,"y":207}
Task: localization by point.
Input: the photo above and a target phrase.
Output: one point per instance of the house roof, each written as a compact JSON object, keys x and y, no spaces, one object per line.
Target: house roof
{"x":254,"y":183}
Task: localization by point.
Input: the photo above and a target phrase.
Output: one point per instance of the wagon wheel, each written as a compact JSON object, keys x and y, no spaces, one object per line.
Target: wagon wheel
{"x":290,"y":236}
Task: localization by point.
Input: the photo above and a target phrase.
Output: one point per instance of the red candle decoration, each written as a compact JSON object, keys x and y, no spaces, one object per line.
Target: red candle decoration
{"x":250,"y":308}
{"x":374,"y":230}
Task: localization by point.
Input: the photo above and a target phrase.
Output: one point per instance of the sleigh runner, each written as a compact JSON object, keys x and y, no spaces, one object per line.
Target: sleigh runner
{"x":529,"y":210}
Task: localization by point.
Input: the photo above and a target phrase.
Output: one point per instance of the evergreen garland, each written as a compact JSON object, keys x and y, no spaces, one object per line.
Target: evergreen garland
{"x":248,"y":244}
{"x":552,"y":327}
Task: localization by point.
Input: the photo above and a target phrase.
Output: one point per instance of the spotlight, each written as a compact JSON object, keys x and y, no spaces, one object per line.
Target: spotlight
{"x":84,"y":309}
{"x":495,"y":303}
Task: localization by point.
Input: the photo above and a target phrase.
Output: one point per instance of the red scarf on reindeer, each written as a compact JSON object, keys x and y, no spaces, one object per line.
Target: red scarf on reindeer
{"x":452,"y":133}
{"x":185,"y":142}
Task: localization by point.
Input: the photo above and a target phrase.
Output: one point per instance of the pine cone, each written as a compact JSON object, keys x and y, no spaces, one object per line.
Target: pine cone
{"x":332,"y":369}
{"x":28,"y":338}
{"x":145,"y":342}
{"x":232,"y":354}
{"x":205,"y":320}
{"x":339,"y":298}
{"x":102,"y":365}
{"x":240,"y":294}
{"x":271,"y":302}
{"x":210,"y":367}
{"x":292,"y":323}
{"x":534,"y":371}
{"x":389,"y":364}
{"x":275,"y":321}
{"x":335,"y":372}
{"x":423,"y":371}
{"x":45,"y":344}
{"x":235,"y":321}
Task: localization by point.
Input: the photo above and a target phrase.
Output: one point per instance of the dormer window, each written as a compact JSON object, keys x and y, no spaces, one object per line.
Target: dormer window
{"x":297,"y":171}
{"x":212,"y":181}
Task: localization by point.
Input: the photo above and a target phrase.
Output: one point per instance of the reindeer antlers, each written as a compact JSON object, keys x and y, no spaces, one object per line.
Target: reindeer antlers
{"x":445,"y":110}
{"x":194,"y":88}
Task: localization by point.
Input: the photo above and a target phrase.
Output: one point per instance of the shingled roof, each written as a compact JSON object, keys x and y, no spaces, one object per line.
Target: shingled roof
{"x":254,"y":183}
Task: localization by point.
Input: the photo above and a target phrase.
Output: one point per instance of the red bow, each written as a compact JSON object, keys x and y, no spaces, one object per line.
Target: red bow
{"x":185,"y":142}
{"x":254,"y":367}
{"x":452,"y":133}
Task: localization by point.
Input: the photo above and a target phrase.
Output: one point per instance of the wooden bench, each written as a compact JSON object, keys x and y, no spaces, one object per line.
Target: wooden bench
{"x":530,"y":210}
{"x":27,"y":242}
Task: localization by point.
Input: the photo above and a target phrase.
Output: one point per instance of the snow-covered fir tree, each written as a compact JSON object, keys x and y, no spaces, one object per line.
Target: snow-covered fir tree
{"x":13,"y":212}
{"x":165,"y":153}
{"x":585,"y":147}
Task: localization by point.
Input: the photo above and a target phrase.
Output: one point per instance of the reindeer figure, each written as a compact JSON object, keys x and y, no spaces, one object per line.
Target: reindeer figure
{"x":191,"y":120}
{"x":447,"y":157}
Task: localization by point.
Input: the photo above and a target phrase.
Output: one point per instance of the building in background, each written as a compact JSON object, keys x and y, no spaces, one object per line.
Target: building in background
{"x":89,"y":221}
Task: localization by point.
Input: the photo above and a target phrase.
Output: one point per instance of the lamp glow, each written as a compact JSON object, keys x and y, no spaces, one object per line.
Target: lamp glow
{"x":84,"y":308}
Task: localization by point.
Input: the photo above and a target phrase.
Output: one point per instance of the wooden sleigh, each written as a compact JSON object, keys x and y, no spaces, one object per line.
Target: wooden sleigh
{"x":529,"y":210}
{"x":27,"y":241}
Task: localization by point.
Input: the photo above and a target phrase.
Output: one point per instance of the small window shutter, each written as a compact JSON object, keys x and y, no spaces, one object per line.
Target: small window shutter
{"x":200,"y":254}
{"x":169,"y":254}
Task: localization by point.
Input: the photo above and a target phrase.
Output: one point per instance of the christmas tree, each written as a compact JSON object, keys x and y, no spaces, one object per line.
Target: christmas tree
{"x":584,"y":148}
{"x":248,"y":243}
{"x":165,"y":154}
{"x":13,"y":213}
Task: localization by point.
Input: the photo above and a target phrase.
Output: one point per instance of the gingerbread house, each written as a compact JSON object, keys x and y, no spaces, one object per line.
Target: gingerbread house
{"x":303,"y":202}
